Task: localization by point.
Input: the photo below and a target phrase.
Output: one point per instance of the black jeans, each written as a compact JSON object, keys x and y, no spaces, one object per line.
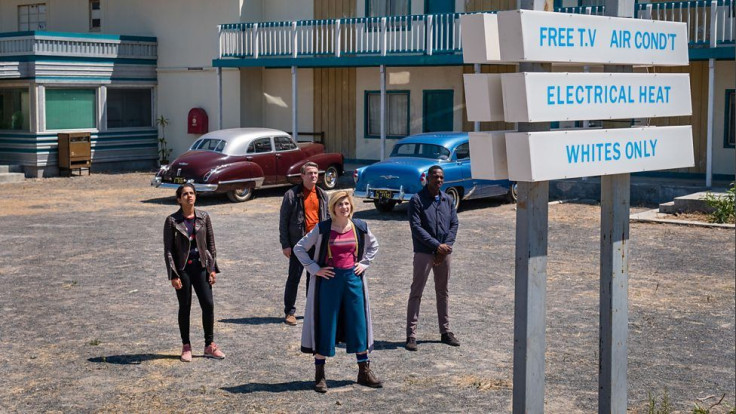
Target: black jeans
{"x":292,"y":282}
{"x":195,"y":276}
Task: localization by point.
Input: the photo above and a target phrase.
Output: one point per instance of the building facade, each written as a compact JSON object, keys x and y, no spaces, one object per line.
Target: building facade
{"x":316,"y":67}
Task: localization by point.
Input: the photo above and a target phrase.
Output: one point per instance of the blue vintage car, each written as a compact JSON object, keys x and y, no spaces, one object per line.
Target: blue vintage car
{"x":404,"y":173}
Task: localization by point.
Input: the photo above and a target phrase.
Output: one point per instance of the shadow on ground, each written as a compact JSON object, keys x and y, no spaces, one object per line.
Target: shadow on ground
{"x":256,"y":320}
{"x":282,"y":386}
{"x":134,"y":359}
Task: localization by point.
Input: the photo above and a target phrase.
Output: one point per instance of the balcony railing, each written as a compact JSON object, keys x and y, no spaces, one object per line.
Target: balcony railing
{"x":710,"y":23}
{"x":77,"y":45}
{"x":382,"y":36}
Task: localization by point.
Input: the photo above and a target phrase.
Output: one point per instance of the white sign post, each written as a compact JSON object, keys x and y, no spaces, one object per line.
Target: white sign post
{"x":534,"y":154}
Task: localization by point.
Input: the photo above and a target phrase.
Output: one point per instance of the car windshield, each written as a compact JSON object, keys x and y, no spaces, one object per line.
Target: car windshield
{"x":209,"y":144}
{"x":432,"y":151}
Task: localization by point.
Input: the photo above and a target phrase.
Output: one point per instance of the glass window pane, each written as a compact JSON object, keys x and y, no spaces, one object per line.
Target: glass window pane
{"x":398,"y":104}
{"x":731,"y":119}
{"x":70,"y":108}
{"x":14,"y":109}
{"x":128,"y":108}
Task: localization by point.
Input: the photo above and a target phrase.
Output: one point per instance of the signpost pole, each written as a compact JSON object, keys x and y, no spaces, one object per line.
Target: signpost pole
{"x":614,"y":283}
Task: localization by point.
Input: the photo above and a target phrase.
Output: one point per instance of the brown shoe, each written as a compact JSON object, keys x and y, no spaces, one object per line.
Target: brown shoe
{"x":411,"y":344}
{"x":367,"y":377}
{"x":320,"y":382}
{"x":290,"y":319}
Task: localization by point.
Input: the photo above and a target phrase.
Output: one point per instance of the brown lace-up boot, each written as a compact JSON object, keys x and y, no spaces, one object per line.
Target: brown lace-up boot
{"x":367,"y":377}
{"x":320,"y":383}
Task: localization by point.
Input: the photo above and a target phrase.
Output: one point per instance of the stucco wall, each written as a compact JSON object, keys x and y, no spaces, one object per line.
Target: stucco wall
{"x":724,"y":159}
{"x":276,"y":99}
{"x":415,"y":80}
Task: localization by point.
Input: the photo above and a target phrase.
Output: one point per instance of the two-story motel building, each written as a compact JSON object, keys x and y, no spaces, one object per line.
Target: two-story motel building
{"x":317,"y":67}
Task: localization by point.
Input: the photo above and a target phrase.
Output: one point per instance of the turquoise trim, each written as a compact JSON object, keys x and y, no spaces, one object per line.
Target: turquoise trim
{"x":729,"y":112}
{"x":450,"y":2}
{"x":366,"y":109}
{"x":705,"y":53}
{"x":343,"y":61}
{"x":77,"y":59}
{"x":82,"y":35}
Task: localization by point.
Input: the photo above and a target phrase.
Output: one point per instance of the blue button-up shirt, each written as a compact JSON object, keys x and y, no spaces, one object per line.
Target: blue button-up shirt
{"x":432,"y":223}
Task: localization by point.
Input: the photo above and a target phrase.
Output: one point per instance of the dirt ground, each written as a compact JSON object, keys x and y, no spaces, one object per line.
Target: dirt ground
{"x":89,"y":319}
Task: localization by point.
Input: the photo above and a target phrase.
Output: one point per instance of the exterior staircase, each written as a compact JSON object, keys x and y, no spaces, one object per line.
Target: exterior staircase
{"x":11,"y":174}
{"x":690,"y":203}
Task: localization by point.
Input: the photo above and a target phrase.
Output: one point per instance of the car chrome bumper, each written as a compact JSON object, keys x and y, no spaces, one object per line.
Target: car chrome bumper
{"x":396,"y":195}
{"x":200,"y":188}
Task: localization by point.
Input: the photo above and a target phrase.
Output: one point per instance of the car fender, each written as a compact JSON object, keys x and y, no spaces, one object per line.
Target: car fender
{"x":322,"y":160}
{"x":237,"y":176}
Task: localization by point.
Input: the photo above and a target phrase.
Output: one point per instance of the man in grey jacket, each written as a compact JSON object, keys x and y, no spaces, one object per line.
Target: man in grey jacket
{"x":433,"y":222}
{"x":304,"y":206}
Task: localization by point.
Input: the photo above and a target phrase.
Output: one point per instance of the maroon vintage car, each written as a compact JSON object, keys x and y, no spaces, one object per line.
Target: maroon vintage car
{"x":239,"y":160}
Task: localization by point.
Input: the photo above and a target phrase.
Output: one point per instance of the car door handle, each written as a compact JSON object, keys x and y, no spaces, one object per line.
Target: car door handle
{"x":278,"y":155}
{"x":249,"y":158}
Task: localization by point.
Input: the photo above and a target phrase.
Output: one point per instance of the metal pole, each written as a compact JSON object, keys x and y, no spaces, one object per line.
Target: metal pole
{"x":709,"y":133}
{"x":383,"y":111}
{"x":219,"y":98}
{"x":476,"y":124}
{"x":294,"y":105}
{"x":614,"y":269}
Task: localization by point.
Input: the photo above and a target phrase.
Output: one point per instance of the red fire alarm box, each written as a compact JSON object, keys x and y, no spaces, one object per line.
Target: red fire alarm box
{"x":197,"y":122}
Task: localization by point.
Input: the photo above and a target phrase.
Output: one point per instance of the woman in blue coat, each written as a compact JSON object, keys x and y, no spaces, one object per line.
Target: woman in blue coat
{"x":344,"y":249}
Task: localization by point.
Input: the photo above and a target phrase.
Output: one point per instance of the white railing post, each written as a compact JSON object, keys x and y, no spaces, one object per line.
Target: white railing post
{"x":711,"y":86}
{"x":294,"y":38}
{"x":256,"y":46}
{"x":713,"y":24}
{"x":337,"y":37}
{"x":430,"y":35}
{"x":383,"y":37}
{"x":219,"y":41}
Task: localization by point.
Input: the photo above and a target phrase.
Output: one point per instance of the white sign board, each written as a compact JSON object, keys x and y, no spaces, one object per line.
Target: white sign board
{"x":538,"y":36}
{"x":543,"y":97}
{"x":480,"y":38}
{"x":483,"y":97}
{"x":488,"y":155}
{"x":552,"y":155}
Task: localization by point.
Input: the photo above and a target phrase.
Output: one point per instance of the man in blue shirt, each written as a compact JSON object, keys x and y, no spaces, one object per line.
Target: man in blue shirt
{"x":433,"y":222}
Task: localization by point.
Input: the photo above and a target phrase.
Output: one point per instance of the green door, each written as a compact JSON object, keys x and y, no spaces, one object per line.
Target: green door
{"x":437,"y":111}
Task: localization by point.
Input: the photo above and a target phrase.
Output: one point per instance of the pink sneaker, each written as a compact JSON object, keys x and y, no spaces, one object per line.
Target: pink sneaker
{"x":212,"y":351}
{"x":186,"y":353}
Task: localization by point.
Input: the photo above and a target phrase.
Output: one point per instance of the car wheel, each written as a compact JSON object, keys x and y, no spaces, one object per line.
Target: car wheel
{"x":329,"y":182}
{"x":239,"y":196}
{"x":384,"y":206}
{"x":513,"y":194}
{"x":455,"y":194}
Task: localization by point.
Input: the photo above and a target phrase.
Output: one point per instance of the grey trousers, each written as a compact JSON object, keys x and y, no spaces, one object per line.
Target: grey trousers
{"x":422,"y":266}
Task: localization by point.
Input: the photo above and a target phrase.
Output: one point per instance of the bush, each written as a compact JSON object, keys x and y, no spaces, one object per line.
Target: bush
{"x":723,"y":205}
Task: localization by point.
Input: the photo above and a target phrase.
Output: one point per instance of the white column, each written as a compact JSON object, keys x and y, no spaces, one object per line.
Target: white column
{"x":102,"y":108}
{"x":383,"y":111}
{"x":709,"y":133}
{"x":219,"y":98}
{"x":294,"y":105}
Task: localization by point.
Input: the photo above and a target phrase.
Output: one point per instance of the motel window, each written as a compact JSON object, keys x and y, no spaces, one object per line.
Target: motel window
{"x":397,"y":114}
{"x":387,"y":7}
{"x":32,"y":17}
{"x":95,"y":16}
{"x":70,"y":108}
{"x":730,"y":127}
{"x":15,"y":109}
{"x":128,"y":108}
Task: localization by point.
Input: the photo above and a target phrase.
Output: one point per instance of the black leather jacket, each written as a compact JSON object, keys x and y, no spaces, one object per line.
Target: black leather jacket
{"x":176,"y":243}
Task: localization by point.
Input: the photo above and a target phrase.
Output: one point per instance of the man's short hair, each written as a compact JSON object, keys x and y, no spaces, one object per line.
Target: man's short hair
{"x":307,"y":165}
{"x":434,"y":168}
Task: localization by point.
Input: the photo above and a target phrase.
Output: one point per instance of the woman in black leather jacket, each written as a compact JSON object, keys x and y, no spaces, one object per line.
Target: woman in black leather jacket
{"x":189,"y":251}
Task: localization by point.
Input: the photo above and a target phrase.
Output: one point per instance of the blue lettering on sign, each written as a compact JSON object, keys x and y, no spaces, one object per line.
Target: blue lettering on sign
{"x":565,"y":37}
{"x":610,"y":151}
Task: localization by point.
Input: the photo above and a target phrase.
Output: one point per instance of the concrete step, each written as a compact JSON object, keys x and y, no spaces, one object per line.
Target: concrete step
{"x":10,"y":169}
{"x":12,"y":177}
{"x":694,"y":202}
{"x":667,"y":208}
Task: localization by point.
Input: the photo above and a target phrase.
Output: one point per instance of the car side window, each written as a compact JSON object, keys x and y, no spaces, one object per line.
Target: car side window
{"x":462,"y":152}
{"x":284,"y":144}
{"x":260,"y":145}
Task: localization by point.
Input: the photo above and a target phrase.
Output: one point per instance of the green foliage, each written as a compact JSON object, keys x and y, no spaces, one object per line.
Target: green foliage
{"x":164,"y":152}
{"x":94,"y":342}
{"x":724,"y":206}
{"x":664,"y":404}
{"x":702,"y":410}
